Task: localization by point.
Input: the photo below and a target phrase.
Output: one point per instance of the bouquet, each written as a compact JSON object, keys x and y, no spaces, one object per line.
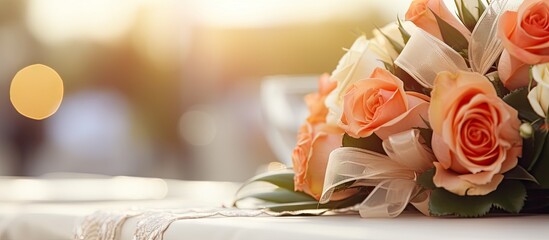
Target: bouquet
{"x":445,"y":113}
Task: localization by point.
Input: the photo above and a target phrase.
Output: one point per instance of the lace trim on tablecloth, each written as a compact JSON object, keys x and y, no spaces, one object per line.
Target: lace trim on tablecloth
{"x":102,"y":225}
{"x":151,"y":224}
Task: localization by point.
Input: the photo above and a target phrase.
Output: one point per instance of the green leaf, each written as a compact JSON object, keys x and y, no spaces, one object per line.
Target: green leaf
{"x":518,"y":100}
{"x":541,"y":167}
{"x":389,"y":67}
{"x":509,"y":196}
{"x":350,"y":201}
{"x":396,"y":45}
{"x":519,"y":173}
{"x":372,"y":143}
{"x":427,"y":135}
{"x":481,"y":8}
{"x":532,"y":147}
{"x":410,"y":84}
{"x":425,"y":180}
{"x":452,"y":37}
{"x":405,"y":35}
{"x":283,"y":179}
{"x":443,"y":203}
{"x":500,"y":88}
{"x":458,"y":8}
{"x":279,"y":195}
{"x":295,"y":206}
{"x":466,"y":17}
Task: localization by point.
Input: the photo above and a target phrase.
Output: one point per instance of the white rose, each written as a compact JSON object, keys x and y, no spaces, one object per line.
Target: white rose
{"x":539,"y":95}
{"x":382,"y":47}
{"x":357,"y":64}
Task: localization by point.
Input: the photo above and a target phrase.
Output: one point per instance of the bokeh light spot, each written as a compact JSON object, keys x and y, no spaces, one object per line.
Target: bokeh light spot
{"x":197,"y":128}
{"x":36,"y":91}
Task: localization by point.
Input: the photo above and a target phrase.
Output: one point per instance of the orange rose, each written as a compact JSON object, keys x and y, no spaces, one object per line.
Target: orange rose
{"x":512,"y":72}
{"x":421,"y":14}
{"x":315,"y":101}
{"x":315,"y":141}
{"x":379,"y":103}
{"x":475,"y":134}
{"x":310,"y":156}
{"x":525,"y":34}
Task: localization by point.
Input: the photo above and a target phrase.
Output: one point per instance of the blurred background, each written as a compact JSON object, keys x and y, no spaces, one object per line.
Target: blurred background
{"x":165,"y":88}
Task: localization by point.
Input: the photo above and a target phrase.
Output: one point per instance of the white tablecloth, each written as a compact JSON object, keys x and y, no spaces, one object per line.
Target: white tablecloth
{"x":56,"y":220}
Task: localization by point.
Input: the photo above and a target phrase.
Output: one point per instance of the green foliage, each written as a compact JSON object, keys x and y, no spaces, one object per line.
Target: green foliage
{"x":371,"y":143}
{"x":509,"y":196}
{"x":532,"y":148}
{"x":452,"y":37}
{"x":396,"y":45}
{"x":425,"y":180}
{"x":426,"y":133}
{"x":350,"y":201}
{"x":390,"y":67}
{"x":283,"y":179}
{"x":283,"y":194}
{"x":518,"y":99}
{"x":500,"y":88}
{"x":541,"y":168}
{"x":466,"y":16}
{"x":280,"y":195}
{"x":481,"y":8}
{"x":284,"y":198}
{"x":519,"y":173}
{"x":410,"y":84}
{"x":405,"y":35}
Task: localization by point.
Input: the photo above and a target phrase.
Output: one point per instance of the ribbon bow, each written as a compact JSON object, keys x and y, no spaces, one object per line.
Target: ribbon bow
{"x":392,"y":176}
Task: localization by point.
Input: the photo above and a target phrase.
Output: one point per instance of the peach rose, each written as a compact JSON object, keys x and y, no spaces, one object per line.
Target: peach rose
{"x":310,"y":156}
{"x":315,"y":141}
{"x":421,"y":14}
{"x":357,"y":64}
{"x":512,"y":72}
{"x":475,"y":134}
{"x":380,"y":102}
{"x":315,"y":101}
{"x":525,"y":34}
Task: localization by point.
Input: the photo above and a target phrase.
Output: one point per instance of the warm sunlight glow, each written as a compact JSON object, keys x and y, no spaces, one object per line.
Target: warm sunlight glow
{"x":61,"y":20}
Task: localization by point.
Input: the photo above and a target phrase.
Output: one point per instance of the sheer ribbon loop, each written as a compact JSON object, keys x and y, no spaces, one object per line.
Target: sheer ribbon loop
{"x":392,"y":176}
{"x":485,"y":46}
{"x":425,"y":56}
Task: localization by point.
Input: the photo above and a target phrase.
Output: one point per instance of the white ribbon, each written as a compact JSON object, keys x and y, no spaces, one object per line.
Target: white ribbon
{"x":485,"y":46}
{"x":425,"y":56}
{"x":393,"y":176}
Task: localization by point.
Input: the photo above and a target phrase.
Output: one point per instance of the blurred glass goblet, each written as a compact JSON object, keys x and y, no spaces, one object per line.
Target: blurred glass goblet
{"x":284,"y":111}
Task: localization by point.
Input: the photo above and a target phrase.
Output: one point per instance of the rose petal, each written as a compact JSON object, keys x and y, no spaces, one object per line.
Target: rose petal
{"x":457,"y":184}
{"x":512,"y":72}
{"x":412,"y":118}
{"x":522,"y":39}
